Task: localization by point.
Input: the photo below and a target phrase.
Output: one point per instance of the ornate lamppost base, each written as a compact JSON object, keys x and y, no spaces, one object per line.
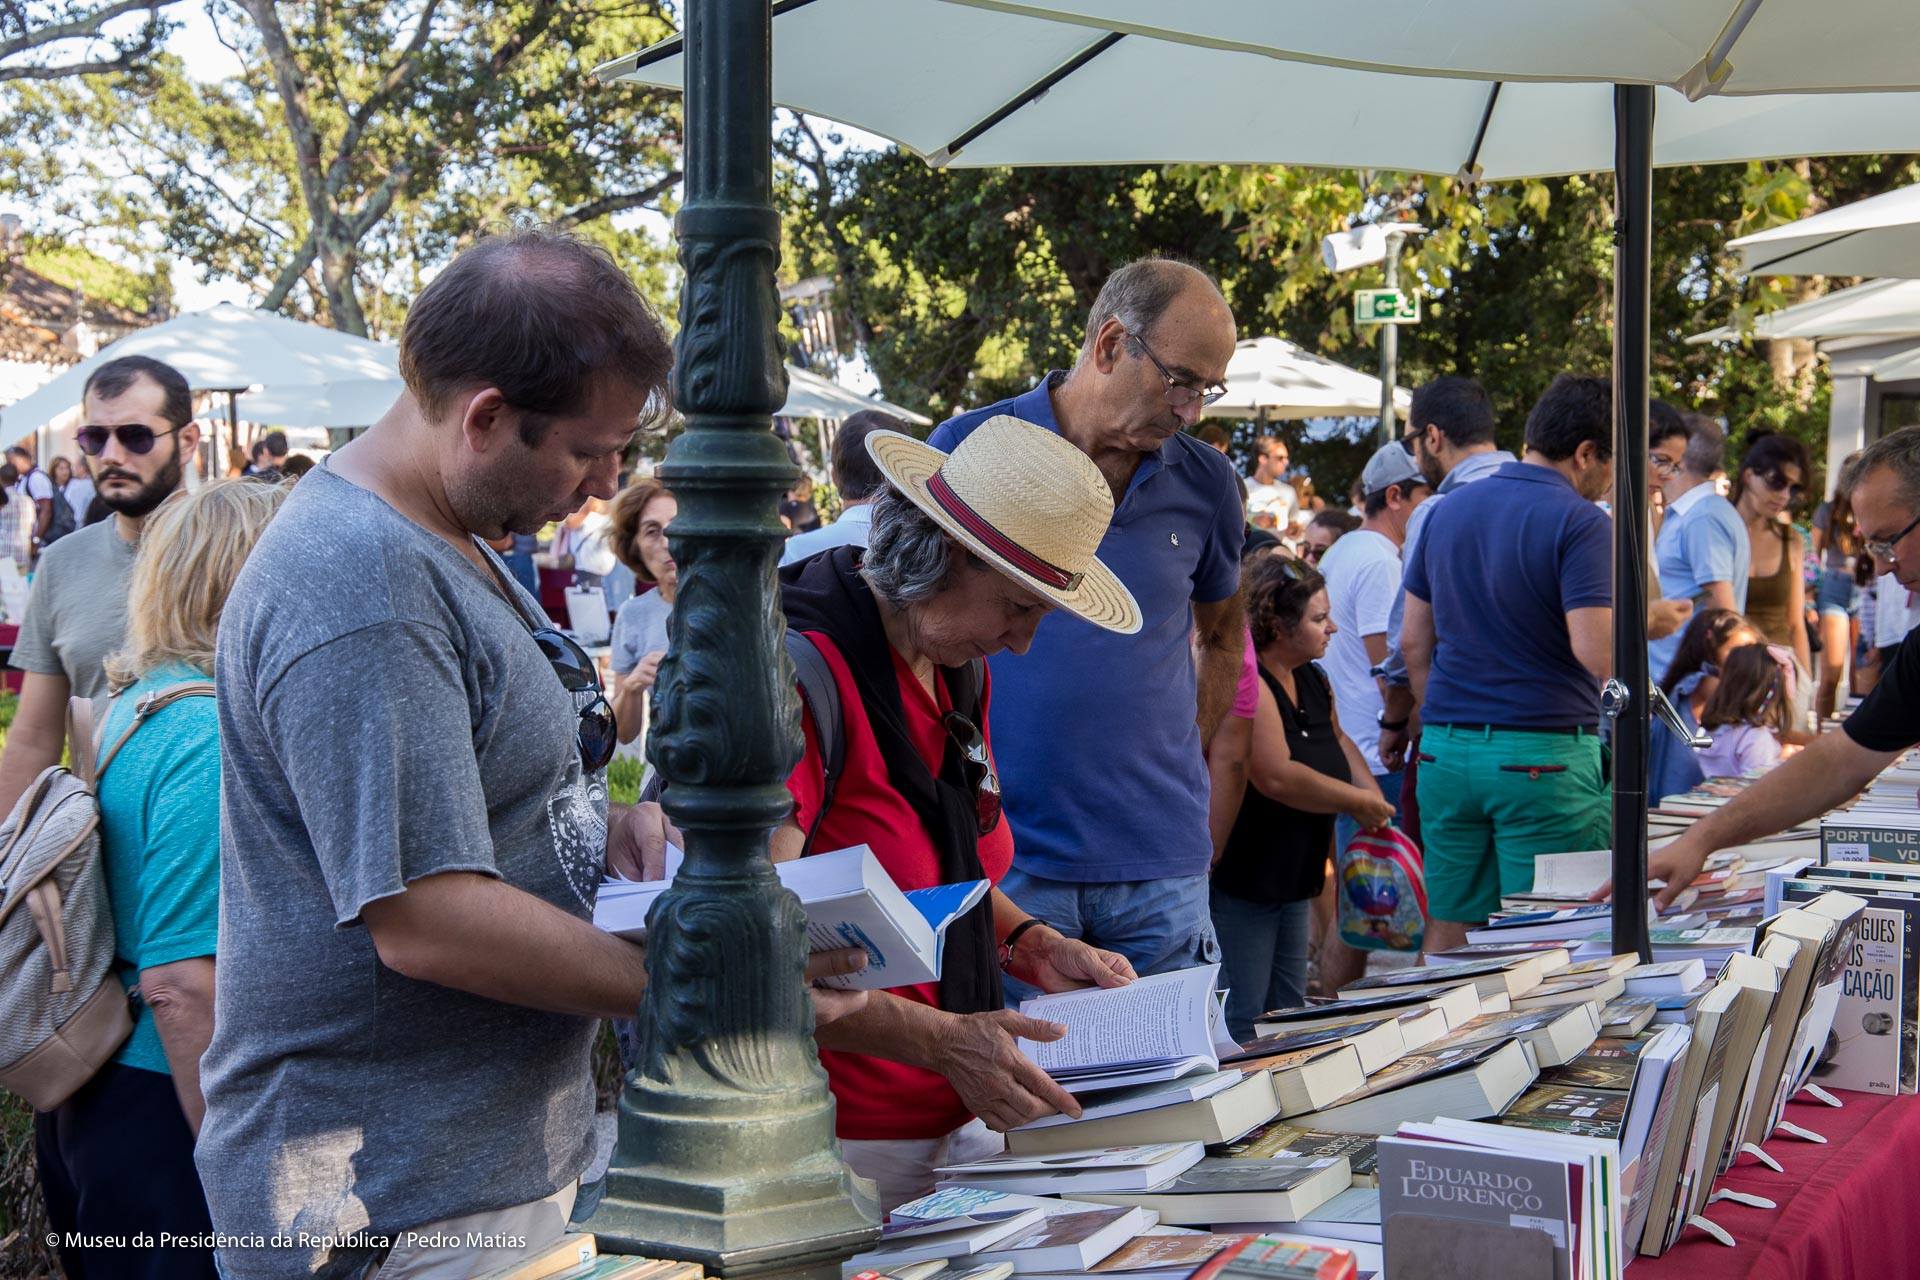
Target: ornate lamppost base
{"x":688,"y":1199}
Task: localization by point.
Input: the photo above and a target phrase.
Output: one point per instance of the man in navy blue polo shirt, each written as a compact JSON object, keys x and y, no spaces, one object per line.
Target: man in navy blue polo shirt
{"x":1508,"y":635}
{"x":1098,"y":736}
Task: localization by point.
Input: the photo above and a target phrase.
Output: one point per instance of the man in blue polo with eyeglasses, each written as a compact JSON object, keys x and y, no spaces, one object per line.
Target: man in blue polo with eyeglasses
{"x":1098,"y":736}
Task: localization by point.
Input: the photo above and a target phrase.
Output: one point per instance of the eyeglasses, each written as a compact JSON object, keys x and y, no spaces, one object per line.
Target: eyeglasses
{"x":1882,"y":548}
{"x":1777,"y":482}
{"x":1179,"y":393}
{"x":1662,"y":465}
{"x":978,"y":767}
{"x":598,"y":734}
{"x":134,"y":437}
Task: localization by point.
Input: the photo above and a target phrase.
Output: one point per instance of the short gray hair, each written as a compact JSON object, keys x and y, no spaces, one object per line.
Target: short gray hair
{"x":1138,"y":294}
{"x":908,"y":555}
{"x":1898,"y":450}
{"x":1706,"y":446}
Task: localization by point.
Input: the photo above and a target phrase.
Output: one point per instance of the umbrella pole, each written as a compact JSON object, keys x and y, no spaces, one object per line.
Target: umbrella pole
{"x":1628,"y":693}
{"x":233,"y":432}
{"x":1390,"y":345}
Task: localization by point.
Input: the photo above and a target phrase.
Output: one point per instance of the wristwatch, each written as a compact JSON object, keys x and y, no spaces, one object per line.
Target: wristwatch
{"x":1380,"y":718}
{"x":1013,"y":937}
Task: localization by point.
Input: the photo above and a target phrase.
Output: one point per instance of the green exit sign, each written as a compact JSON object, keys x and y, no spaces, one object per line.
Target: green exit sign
{"x":1385,"y":306}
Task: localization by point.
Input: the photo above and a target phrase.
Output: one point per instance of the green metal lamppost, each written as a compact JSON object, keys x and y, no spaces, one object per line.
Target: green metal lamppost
{"x":726,"y":1153}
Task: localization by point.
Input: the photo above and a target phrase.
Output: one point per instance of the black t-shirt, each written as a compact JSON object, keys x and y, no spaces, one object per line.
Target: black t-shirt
{"x":1277,"y":853}
{"x":1888,"y":719}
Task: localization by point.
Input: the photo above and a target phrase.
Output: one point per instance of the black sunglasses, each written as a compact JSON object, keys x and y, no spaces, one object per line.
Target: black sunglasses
{"x":1777,"y":482}
{"x":598,"y":733}
{"x":978,"y":767}
{"x":134,"y":437}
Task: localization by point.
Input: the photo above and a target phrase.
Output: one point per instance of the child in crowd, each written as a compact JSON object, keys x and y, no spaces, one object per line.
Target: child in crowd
{"x":1746,"y":714}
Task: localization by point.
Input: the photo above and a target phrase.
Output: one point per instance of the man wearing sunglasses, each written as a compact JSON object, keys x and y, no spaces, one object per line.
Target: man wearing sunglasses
{"x":1702,"y":552}
{"x":1883,"y":484}
{"x":416,"y":822}
{"x":138,"y":429}
{"x":1098,"y":736}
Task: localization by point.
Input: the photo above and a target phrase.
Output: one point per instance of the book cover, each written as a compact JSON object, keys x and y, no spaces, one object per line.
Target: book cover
{"x":1277,"y":1258}
{"x":1157,"y":1253}
{"x":1862,"y":1049}
{"x":1589,"y":1113}
{"x":1280,"y":1139}
{"x":1217,"y":1175}
{"x":1456,"y":1182}
{"x":1887,"y":898}
{"x":1608,"y":1063}
{"x":1429,"y":975}
{"x":1627,"y":1015}
{"x":1427,"y":1064}
{"x":1065,"y":1240}
{"x":1284,"y":1042}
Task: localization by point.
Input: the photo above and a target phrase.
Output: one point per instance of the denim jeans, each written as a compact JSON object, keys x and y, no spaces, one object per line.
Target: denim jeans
{"x":1158,"y":925}
{"x":1345,"y":828}
{"x":1263,"y":957}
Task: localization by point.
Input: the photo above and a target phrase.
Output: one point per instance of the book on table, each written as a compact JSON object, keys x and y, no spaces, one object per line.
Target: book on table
{"x":1556,"y":1108}
{"x":1449,"y":1183}
{"x":960,"y":1202}
{"x":1152,"y":1096}
{"x":1560,"y":925}
{"x":1228,"y":1189}
{"x":1378,"y":1041}
{"x":1555,"y":1035}
{"x":1847,"y":912}
{"x":1627,"y":1015}
{"x":1598,"y":966}
{"x":1553,"y":955}
{"x":1608,"y":1063}
{"x":1281,"y":1140}
{"x":1805,"y":989}
{"x":1456,"y":1005}
{"x":1904,"y":902}
{"x":1597,"y":1249}
{"x":1683,"y":1157}
{"x":1668,"y":978}
{"x":1508,"y":975}
{"x":1160,"y":1027}
{"x":1757,"y":981}
{"x":1123,"y":1168}
{"x":1353,"y":1215}
{"x":1303,"y":1079}
{"x":1592,"y":988}
{"x":1157,"y":1257}
{"x":1217,"y":1117}
{"x":1652,"y":1101}
{"x":1070,"y":1241}
{"x":1467,"y":1080}
{"x":907,"y":1240}
{"x":1268,"y":1257}
{"x":850,"y":901}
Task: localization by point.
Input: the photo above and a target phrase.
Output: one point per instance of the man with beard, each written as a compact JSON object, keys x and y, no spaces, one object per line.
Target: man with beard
{"x":137,"y":425}
{"x":415,"y":819}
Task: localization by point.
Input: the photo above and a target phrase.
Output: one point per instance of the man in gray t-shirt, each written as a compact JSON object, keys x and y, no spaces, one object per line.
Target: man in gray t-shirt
{"x":414,"y":821}
{"x":137,"y":426}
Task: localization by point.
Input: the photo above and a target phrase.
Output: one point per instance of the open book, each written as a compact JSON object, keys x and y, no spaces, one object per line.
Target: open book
{"x":1155,"y":1028}
{"x":850,"y":901}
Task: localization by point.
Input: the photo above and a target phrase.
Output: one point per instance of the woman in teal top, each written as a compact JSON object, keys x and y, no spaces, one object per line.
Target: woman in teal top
{"x":117,"y":1158}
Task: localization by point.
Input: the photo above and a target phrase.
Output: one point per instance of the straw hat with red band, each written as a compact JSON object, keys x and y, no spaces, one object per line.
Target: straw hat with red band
{"x":1024,"y":500}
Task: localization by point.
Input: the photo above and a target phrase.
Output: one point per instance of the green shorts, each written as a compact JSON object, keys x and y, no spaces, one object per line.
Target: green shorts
{"x":1490,"y":799}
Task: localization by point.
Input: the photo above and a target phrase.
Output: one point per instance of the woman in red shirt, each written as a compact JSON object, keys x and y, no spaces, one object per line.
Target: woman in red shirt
{"x":966,"y":556}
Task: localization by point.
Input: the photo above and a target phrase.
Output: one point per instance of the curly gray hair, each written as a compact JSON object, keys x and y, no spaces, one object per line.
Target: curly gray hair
{"x":908,"y":555}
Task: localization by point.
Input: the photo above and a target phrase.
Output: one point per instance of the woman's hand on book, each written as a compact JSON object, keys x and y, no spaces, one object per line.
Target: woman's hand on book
{"x":1048,"y":959}
{"x":830,"y":1003}
{"x":979,"y":1054}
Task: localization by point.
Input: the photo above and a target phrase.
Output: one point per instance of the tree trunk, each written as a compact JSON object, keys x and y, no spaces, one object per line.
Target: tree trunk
{"x":338,"y":257}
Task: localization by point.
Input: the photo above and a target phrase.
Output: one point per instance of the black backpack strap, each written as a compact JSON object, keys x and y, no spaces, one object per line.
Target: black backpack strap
{"x":821,"y":694}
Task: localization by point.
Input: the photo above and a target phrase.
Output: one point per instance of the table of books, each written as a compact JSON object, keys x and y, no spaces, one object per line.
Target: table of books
{"x":1848,"y":1209}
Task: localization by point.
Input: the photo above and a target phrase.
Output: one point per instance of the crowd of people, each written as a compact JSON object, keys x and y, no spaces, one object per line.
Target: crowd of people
{"x":1074,"y":654}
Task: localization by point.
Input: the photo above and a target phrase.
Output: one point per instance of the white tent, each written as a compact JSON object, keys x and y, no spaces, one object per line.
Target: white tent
{"x":1897,"y":368}
{"x":1275,"y":378}
{"x":1878,"y":308}
{"x":1879,"y":236}
{"x":811,"y":396}
{"x":969,"y":86}
{"x":1702,"y":46}
{"x":288,"y":365}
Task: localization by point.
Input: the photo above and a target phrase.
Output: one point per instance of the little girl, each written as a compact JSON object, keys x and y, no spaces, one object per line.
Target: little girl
{"x":1746,"y":714}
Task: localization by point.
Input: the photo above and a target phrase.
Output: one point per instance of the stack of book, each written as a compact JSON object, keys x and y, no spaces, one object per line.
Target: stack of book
{"x":576,"y":1256}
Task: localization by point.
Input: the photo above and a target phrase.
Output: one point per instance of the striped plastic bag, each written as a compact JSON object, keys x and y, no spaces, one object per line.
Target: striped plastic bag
{"x":1383,"y":891}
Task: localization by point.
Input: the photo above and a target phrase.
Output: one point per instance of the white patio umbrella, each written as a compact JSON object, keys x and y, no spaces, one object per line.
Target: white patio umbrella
{"x":811,"y":396}
{"x":1271,"y":377}
{"x":1876,"y":309}
{"x":1699,"y":46}
{"x":967,"y":86}
{"x":230,"y":349}
{"x":1879,"y":236}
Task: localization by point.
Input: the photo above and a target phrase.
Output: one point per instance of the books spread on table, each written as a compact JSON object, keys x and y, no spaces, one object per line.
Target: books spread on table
{"x":1464,"y":1080}
{"x":906,"y":1240}
{"x":1128,"y":1168}
{"x":1228,"y":1189}
{"x":1159,"y":1027}
{"x":1217,"y":1117}
{"x":850,"y":901}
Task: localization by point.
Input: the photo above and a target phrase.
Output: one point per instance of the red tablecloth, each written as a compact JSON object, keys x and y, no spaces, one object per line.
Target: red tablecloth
{"x":1848,"y":1210}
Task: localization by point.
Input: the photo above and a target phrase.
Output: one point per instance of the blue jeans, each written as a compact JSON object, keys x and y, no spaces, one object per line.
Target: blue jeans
{"x":1263,"y":957}
{"x":1345,"y":828}
{"x":1157,"y":925}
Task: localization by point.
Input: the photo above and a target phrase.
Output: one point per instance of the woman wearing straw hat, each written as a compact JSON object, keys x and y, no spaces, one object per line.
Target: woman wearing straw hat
{"x":966,"y":556}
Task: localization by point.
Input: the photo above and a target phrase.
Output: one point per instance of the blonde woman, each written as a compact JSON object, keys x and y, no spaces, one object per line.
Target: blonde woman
{"x":160,"y":844}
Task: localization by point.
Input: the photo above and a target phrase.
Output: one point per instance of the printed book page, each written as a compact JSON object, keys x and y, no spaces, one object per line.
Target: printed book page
{"x":1154,"y":1019}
